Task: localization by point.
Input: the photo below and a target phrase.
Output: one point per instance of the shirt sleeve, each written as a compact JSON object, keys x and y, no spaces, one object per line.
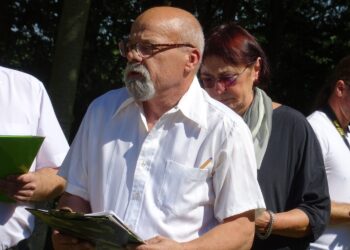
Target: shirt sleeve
{"x":320,"y":130}
{"x":235,"y":180}
{"x":312,"y":183}
{"x":55,"y":146}
{"x":74,"y":167}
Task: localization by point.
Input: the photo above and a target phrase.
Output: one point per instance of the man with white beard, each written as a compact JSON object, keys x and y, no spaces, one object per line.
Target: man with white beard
{"x":142,"y":151}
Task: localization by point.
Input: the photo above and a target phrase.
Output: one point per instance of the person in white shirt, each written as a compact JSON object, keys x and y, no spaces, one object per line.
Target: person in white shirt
{"x":140,"y":150}
{"x":25,"y":109}
{"x":331,"y":123}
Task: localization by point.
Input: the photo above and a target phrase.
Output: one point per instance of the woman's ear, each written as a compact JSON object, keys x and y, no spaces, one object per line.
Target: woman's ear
{"x":257,"y":68}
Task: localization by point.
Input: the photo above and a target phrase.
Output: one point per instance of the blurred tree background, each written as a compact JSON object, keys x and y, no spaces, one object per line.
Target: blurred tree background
{"x":72,"y":45}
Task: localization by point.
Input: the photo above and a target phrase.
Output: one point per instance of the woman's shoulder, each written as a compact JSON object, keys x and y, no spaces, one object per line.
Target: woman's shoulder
{"x":292,"y":120}
{"x":289,"y":114}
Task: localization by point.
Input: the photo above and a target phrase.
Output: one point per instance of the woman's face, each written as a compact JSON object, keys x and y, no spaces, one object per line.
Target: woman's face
{"x":229,"y":84}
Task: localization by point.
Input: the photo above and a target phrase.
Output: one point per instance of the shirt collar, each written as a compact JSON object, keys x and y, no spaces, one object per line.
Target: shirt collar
{"x":190,"y":104}
{"x":128,"y":100}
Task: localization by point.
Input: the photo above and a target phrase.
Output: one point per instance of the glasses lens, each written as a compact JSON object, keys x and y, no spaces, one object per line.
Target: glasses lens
{"x":228,"y":80}
{"x":224,"y":81}
{"x":208,"y":83}
{"x":144,"y":50}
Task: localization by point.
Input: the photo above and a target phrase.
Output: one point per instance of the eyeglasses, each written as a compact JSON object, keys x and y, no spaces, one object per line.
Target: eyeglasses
{"x":223,"y":81}
{"x":148,"y":49}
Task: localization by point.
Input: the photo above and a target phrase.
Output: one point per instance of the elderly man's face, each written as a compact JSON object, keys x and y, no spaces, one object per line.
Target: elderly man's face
{"x":151,"y":71}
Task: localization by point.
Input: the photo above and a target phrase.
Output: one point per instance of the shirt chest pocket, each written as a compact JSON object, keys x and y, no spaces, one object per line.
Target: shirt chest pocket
{"x":184,"y":189}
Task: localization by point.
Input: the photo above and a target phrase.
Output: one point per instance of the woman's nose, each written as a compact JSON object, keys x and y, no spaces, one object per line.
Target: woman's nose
{"x":219,"y":87}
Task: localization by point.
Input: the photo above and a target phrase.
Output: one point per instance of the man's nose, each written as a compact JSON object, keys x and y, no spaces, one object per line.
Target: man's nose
{"x":133,"y":56}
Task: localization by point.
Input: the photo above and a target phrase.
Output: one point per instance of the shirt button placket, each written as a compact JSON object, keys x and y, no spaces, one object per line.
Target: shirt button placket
{"x":141,"y":174}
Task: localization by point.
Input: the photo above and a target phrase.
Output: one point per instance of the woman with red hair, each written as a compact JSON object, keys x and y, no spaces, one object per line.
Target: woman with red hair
{"x":289,"y":160}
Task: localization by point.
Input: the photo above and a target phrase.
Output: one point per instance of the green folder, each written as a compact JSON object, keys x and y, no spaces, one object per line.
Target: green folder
{"x":17,"y":154}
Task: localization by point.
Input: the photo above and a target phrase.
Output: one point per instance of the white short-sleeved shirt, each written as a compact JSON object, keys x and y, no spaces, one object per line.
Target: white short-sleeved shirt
{"x":336,"y":157}
{"x":25,"y":109}
{"x":152,"y":179}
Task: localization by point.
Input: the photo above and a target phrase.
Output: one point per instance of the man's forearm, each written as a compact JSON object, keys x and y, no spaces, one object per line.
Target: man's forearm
{"x":50,"y":185}
{"x":236,"y":232}
{"x":340,"y":213}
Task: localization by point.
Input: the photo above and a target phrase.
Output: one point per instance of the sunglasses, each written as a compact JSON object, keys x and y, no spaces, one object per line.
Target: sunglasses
{"x":223,"y":81}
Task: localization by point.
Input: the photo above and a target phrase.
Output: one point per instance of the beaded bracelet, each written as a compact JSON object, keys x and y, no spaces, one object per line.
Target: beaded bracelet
{"x":269,"y":227}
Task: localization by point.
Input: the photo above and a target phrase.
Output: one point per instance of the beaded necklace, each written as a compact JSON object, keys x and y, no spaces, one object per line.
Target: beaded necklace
{"x":330,"y":114}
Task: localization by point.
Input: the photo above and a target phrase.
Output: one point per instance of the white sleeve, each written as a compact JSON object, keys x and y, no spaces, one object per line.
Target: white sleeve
{"x":235,"y":181}
{"x":320,"y":128}
{"x":75,"y":165}
{"x":55,"y":146}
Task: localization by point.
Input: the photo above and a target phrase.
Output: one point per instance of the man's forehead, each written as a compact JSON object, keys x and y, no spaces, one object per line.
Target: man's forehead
{"x":150,"y":31}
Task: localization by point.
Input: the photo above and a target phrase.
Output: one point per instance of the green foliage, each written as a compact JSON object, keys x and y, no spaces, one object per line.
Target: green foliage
{"x":27,"y":31}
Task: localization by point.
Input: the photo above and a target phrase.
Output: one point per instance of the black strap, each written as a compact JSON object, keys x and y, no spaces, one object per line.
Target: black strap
{"x":329,"y":112}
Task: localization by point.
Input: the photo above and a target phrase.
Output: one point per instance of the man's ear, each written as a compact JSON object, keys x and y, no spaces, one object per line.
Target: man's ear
{"x":193,"y":59}
{"x":340,"y":87}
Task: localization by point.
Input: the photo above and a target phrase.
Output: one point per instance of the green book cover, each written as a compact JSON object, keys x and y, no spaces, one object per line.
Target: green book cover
{"x":104,"y":229}
{"x":17,"y":154}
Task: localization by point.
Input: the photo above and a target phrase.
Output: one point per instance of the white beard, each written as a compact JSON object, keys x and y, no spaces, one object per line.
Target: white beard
{"x":141,"y":88}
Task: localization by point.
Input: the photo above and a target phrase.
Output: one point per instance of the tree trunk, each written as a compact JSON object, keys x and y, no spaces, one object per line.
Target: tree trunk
{"x":66,"y":64}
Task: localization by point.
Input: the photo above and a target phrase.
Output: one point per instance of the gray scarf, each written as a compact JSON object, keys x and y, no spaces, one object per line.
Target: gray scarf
{"x":259,"y":120}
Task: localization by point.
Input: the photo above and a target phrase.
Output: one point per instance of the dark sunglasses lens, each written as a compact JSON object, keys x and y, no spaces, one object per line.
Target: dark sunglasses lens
{"x":208,"y":83}
{"x":228,"y":80}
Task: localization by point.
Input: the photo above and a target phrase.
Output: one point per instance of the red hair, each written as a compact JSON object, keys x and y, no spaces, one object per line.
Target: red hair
{"x":236,"y":46}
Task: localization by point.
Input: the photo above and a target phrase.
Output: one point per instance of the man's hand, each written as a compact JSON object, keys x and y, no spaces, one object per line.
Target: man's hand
{"x":158,"y":243}
{"x":62,"y":241}
{"x":20,"y":187}
{"x":65,"y":242}
{"x":43,"y":184}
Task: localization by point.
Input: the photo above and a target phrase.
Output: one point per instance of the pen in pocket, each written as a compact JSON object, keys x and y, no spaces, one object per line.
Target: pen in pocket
{"x":206,"y":163}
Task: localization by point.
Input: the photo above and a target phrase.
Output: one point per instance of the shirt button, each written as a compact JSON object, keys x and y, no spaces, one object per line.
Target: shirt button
{"x":136,"y":196}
